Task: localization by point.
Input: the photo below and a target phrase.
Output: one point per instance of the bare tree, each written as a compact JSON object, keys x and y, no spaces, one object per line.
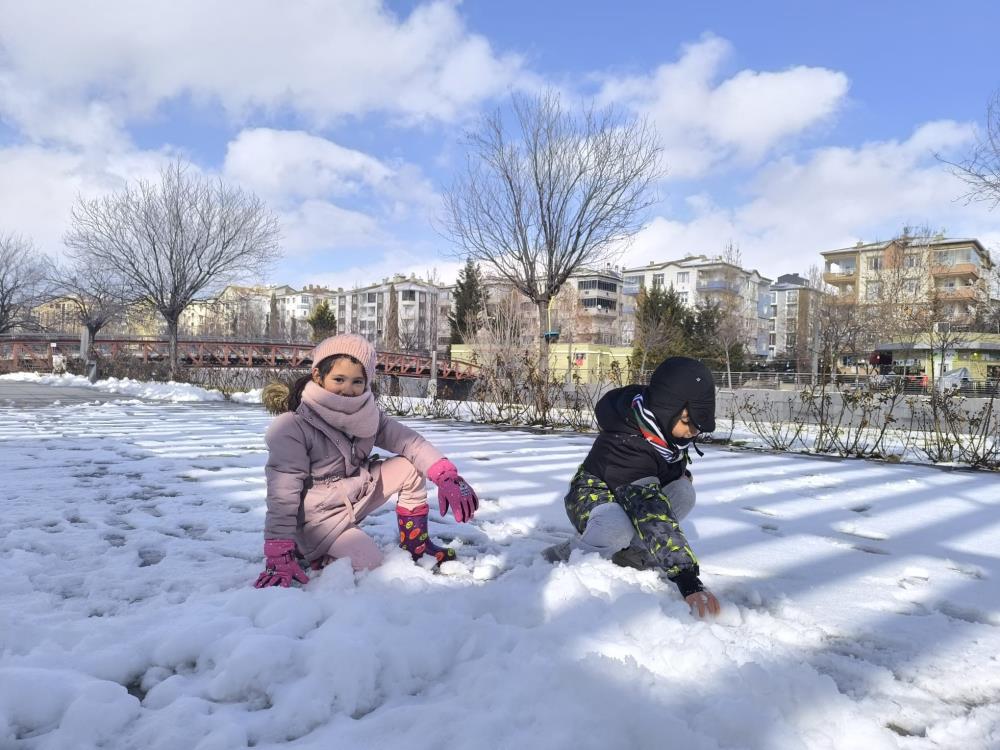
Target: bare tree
{"x":98,"y":293}
{"x":980,"y":170}
{"x":732,"y":333}
{"x":561,"y":193}
{"x":23,"y":273}
{"x":174,"y":238}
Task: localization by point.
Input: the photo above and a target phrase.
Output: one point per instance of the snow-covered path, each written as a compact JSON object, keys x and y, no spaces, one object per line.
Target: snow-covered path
{"x":862,"y":603}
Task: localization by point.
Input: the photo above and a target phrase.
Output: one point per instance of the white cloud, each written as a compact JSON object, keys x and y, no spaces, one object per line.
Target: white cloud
{"x":338,"y":206}
{"x":288,"y":166}
{"x":703,"y":121}
{"x":321,"y":60}
{"x":829,"y":199}
{"x":39,"y":186}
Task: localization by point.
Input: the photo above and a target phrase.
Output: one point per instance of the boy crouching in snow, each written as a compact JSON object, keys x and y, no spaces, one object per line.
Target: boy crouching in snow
{"x":629,"y":495}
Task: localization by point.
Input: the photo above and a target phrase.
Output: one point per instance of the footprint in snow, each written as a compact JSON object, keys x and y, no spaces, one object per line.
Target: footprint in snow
{"x":761,"y":511}
{"x":968,"y":614}
{"x":149,"y":557}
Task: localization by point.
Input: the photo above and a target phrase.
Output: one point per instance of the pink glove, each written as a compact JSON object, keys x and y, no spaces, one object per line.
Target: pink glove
{"x":281,"y":566}
{"x":453,"y":491}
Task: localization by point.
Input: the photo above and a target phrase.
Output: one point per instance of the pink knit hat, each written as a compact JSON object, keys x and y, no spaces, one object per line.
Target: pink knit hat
{"x":347,"y":343}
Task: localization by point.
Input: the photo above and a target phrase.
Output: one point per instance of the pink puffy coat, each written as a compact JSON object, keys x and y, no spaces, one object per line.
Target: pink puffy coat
{"x":319,"y":480}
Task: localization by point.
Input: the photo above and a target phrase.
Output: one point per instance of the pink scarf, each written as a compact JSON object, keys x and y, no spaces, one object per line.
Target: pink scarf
{"x":356,"y":416}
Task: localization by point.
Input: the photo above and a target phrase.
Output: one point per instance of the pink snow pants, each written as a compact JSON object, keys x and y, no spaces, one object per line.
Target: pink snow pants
{"x":396,"y":475}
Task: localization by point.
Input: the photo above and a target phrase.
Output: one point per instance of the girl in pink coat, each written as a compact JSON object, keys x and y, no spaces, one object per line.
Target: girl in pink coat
{"x":321,"y":482}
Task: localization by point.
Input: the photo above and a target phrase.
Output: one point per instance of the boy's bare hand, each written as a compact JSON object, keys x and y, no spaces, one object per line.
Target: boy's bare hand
{"x":703,"y":603}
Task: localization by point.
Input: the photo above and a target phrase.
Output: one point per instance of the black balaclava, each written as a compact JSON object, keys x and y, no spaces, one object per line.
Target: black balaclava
{"x":679,"y":383}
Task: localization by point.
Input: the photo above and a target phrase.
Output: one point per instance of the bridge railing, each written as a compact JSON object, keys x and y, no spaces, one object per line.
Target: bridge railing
{"x":35,"y":353}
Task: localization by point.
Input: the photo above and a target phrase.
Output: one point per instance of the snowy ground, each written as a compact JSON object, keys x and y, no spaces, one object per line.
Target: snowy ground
{"x":862,"y":603}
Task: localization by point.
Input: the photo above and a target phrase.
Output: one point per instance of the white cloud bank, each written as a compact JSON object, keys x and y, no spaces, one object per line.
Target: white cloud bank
{"x":829,"y":198}
{"x":704,"y":121}
{"x":319,"y":60}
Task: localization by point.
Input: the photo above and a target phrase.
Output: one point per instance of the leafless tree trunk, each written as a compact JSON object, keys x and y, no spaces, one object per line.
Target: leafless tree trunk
{"x":99,"y":294}
{"x":23,"y":273}
{"x":732,"y":331}
{"x":562,"y":193}
{"x":175,"y":238}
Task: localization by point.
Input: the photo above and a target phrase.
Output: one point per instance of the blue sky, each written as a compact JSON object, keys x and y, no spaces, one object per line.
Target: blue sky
{"x":788,"y":127}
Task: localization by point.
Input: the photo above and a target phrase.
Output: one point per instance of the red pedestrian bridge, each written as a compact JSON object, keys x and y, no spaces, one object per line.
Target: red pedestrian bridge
{"x":21,"y":352}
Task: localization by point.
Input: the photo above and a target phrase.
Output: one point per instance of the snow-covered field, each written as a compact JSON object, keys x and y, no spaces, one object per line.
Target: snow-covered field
{"x":862,"y":603}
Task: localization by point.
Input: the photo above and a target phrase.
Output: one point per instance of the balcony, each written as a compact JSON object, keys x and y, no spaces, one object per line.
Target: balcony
{"x":840,"y":277}
{"x":956,"y":293}
{"x":956,"y":269}
{"x":718,"y":286}
{"x":847,"y":298}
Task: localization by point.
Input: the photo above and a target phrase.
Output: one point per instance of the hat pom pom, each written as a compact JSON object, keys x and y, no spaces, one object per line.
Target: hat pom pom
{"x":274,"y":397}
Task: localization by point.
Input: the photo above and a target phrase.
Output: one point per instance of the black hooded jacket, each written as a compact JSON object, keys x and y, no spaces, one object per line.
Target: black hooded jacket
{"x":621,"y":455}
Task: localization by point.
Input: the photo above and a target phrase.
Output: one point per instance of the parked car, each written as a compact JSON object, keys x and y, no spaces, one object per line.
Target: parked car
{"x":960,"y":377}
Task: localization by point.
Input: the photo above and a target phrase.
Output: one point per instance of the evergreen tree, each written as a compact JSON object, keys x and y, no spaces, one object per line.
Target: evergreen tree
{"x":391,"y":338}
{"x":701,"y":326}
{"x":470,"y":302}
{"x":272,"y":318}
{"x":323,"y":321}
{"x":659,"y":328}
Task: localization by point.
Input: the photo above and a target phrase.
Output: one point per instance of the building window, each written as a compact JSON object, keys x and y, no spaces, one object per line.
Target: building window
{"x":371,"y":297}
{"x":790,"y":341}
{"x":657,"y":281}
{"x":605,"y":304}
{"x":792,"y":296}
{"x":604,"y":286}
{"x":875,"y":263}
{"x":683,"y":277}
{"x":874,"y":290}
{"x":772,"y":339}
{"x":683,"y":297}
{"x":409,"y":295}
{"x":911,"y":260}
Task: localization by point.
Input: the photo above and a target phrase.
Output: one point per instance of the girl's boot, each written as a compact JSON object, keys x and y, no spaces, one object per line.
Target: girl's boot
{"x":413,"y":535}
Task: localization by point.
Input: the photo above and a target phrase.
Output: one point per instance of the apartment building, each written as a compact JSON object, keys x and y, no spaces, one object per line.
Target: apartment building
{"x":598,"y":316}
{"x":237,"y":312}
{"x":791,"y":320}
{"x":952,"y":274}
{"x":587,"y":310}
{"x":700,"y":279}
{"x":295,"y":306}
{"x":445,"y":302}
{"x":59,"y":315}
{"x":365,"y":311}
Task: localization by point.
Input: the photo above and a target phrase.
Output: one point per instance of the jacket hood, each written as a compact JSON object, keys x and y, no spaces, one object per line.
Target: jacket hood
{"x":614,"y":410}
{"x":679,"y":383}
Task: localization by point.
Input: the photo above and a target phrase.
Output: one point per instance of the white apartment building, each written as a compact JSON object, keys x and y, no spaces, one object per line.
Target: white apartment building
{"x":364,"y":311}
{"x":791,"y":320}
{"x":295,"y":307}
{"x":237,"y":312}
{"x":698,"y":278}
